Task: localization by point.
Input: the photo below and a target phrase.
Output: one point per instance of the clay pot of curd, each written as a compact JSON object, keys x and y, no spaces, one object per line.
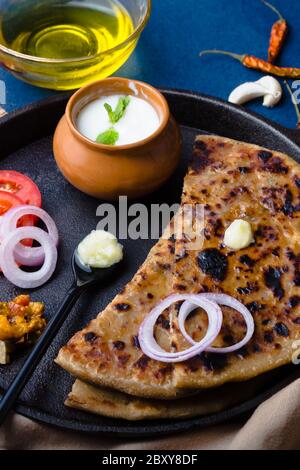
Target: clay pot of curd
{"x":109,"y":171}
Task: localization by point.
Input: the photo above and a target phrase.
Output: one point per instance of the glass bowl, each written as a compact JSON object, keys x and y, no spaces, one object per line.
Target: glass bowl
{"x":67,"y":73}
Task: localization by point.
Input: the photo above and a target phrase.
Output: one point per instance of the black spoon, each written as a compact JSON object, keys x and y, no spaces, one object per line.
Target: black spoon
{"x":84,"y":277}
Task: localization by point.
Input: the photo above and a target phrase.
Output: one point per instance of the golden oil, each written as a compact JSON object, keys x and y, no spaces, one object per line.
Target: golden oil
{"x":68,"y":31}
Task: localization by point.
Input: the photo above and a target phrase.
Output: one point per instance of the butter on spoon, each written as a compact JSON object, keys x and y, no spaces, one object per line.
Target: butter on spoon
{"x":100,"y":249}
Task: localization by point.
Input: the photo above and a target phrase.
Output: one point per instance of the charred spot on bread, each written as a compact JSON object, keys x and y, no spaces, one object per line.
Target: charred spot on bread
{"x":279,"y":199}
{"x":266,"y":232}
{"x":163,"y":322}
{"x":142,"y":363}
{"x":256,"y":348}
{"x":245,"y":259}
{"x":250,"y":287}
{"x":290,"y":254}
{"x":214,"y":362}
{"x":180,"y":287}
{"x":163,"y":371}
{"x":297,"y":182}
{"x":297,"y":270}
{"x":172,"y":249}
{"x":236,"y":191}
{"x":268,"y":337}
{"x":244,"y":169}
{"x":272,"y":277}
{"x":200,"y":145}
{"x":201,"y":157}
{"x":276,"y":252}
{"x":194,"y":364}
{"x":277,"y":166}
{"x":254,"y":307}
{"x":119,"y":345}
{"x":288,"y":207}
{"x":218,"y":228}
{"x":228,"y":339}
{"x":243,"y":352}
{"x":213,"y":263}
{"x":282,"y":330}
{"x":264,"y":155}
{"x":122,"y":307}
{"x":210,"y":361}
{"x":164,"y":266}
{"x":294,"y":301}
{"x":90,"y":337}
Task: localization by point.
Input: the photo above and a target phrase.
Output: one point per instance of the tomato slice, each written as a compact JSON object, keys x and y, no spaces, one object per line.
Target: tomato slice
{"x":20,"y":185}
{"x":7,"y":202}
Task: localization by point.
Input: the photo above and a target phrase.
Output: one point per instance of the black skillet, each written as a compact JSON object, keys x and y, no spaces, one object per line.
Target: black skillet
{"x":26,"y":146}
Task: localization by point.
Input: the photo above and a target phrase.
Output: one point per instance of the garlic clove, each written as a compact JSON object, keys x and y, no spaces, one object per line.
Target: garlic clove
{"x":246,"y":92}
{"x":274,"y":91}
{"x":267,"y":87}
{"x":270,"y":101}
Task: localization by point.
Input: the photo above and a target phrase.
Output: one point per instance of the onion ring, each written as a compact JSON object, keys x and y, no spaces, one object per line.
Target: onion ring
{"x":220,"y":299}
{"x":8,"y":264}
{"x":151,"y":348}
{"x":28,"y":256}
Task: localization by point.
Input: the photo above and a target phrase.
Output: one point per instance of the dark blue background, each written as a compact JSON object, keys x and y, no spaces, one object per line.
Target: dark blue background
{"x":167,"y":55}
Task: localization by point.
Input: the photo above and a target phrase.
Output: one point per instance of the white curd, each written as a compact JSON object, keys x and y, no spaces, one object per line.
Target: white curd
{"x":140,"y":119}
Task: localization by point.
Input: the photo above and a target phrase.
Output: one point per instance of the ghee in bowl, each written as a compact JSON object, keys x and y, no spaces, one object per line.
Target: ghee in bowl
{"x":65,"y":44}
{"x":67,"y":30}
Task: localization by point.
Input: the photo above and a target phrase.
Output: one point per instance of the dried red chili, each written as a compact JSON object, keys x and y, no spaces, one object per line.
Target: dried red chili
{"x":278,"y":34}
{"x":255,"y":63}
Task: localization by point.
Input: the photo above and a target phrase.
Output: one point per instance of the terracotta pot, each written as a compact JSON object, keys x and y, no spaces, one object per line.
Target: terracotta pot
{"x":106,"y":171}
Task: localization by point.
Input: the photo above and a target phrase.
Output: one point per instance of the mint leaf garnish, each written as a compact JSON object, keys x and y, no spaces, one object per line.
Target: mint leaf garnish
{"x":110,"y":112}
{"x":118,"y":113}
{"x":109,"y":137}
{"x":121,"y":107}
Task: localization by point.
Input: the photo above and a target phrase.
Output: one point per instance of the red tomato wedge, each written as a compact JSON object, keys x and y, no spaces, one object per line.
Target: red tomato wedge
{"x":10,"y":200}
{"x":20,"y":185}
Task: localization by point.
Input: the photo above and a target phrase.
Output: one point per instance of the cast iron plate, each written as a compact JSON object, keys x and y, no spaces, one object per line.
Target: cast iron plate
{"x":26,"y":146}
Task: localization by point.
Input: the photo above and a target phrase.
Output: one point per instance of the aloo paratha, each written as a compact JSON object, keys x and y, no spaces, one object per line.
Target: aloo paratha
{"x":233,"y":180}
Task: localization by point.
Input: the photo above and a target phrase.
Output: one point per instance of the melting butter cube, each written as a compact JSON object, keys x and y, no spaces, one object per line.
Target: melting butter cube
{"x":239,"y":235}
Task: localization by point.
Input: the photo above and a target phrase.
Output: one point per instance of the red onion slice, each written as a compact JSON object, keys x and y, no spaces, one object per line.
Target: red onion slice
{"x":8,"y":264}
{"x":220,"y":299}
{"x":151,"y":348}
{"x":27,"y":256}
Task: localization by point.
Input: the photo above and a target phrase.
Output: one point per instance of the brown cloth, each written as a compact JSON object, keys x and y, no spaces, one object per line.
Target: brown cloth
{"x":275,"y":425}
